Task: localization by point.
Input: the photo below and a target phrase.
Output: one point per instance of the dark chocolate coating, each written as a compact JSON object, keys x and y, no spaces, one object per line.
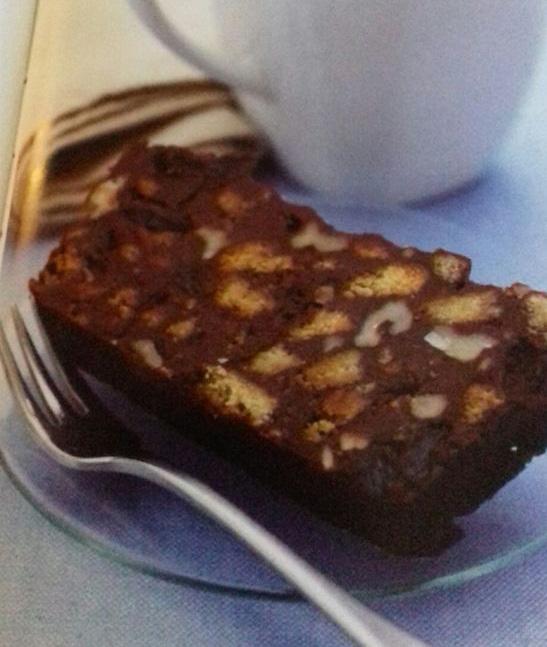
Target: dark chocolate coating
{"x":375,"y":383}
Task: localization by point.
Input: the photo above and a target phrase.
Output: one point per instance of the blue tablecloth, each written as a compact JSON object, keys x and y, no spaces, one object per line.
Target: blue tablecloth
{"x":56,"y":592}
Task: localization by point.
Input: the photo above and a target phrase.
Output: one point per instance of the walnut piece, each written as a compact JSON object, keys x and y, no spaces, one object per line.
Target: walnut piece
{"x":181,"y":329}
{"x":327,"y":458}
{"x":214,"y":240}
{"x":273,"y":360}
{"x":395,"y":313}
{"x":396,"y":279}
{"x":254,"y":257}
{"x":104,"y":197}
{"x":334,"y":370}
{"x":464,"y":348}
{"x":331,"y":342}
{"x":324,"y":322}
{"x":236,"y":294}
{"x":350,"y":441}
{"x":236,"y":396}
{"x":428,"y":405}
{"x":312,"y":236}
{"x":464,"y":308}
{"x":148,"y":352}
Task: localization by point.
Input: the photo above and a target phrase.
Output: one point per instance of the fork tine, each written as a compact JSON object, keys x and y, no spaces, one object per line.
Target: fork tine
{"x":55,"y":375}
{"x":33,"y":411}
{"x":35,"y":416}
{"x":37,"y":380}
{"x":31,"y":376}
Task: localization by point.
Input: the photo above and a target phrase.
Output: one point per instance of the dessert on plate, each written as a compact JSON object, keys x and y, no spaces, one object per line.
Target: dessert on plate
{"x":376,"y":384}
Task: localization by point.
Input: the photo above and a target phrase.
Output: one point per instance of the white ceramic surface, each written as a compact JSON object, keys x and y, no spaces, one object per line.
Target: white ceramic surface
{"x":385,"y":102}
{"x":16,"y":23}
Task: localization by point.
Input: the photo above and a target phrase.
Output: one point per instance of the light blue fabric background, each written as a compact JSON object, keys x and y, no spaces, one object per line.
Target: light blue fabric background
{"x":55,"y":592}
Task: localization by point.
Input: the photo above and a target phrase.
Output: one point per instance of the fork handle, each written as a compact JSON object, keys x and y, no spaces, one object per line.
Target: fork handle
{"x":362,"y":625}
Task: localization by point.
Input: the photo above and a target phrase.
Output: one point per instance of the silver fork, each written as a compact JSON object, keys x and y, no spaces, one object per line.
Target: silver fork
{"x":51,"y":405}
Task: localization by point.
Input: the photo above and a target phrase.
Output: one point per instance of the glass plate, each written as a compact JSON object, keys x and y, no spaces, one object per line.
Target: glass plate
{"x":501,"y":223}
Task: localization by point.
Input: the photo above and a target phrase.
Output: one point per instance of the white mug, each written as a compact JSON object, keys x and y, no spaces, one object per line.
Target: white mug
{"x":381,"y":101}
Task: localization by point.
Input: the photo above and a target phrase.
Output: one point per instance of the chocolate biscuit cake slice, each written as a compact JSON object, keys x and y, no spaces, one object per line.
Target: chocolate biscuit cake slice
{"x":374,"y":383}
